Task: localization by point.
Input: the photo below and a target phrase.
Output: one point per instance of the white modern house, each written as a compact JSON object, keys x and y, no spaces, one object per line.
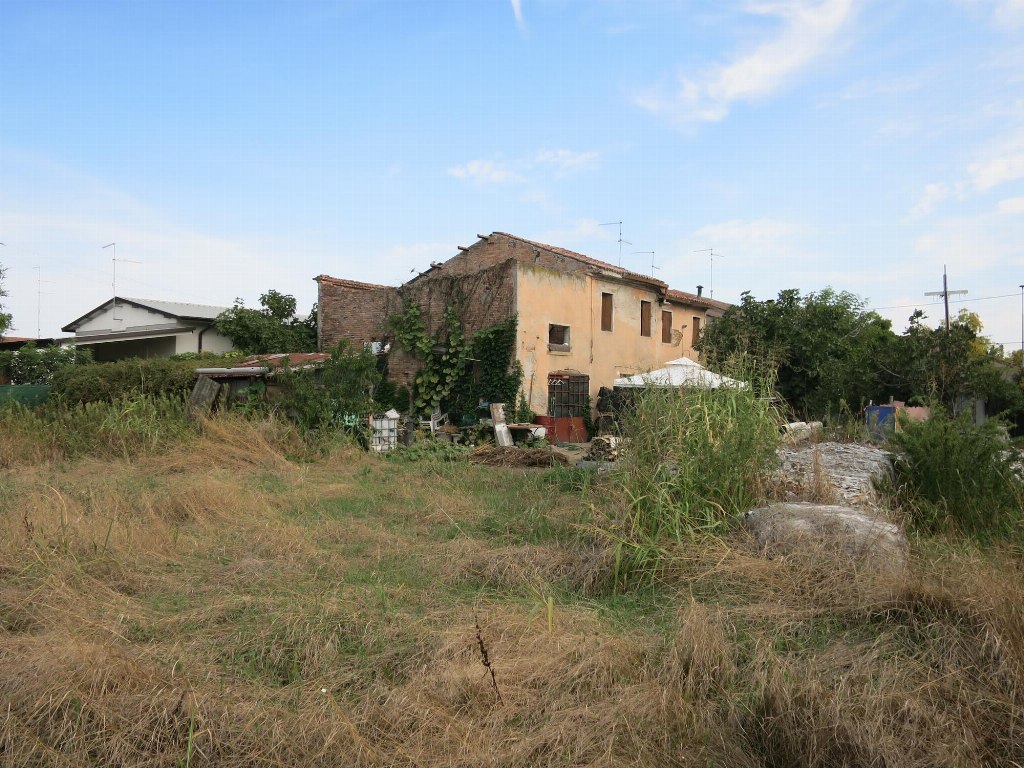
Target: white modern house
{"x":125,"y":327}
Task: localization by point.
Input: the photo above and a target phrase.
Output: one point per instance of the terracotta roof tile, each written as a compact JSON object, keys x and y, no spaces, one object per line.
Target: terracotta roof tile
{"x":587,"y":260}
{"x":696,"y":301}
{"x":342,"y":283}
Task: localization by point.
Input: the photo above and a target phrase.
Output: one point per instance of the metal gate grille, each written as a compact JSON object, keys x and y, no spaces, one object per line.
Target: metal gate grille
{"x":567,"y":394}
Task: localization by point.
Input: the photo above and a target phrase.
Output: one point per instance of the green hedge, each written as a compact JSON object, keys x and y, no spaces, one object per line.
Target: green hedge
{"x":106,"y":382}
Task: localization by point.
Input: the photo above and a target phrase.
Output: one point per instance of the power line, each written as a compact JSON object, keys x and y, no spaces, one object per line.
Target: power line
{"x":952,"y":301}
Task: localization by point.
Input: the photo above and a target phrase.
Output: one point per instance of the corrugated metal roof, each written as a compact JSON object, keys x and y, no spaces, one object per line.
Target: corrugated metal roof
{"x":181,"y":308}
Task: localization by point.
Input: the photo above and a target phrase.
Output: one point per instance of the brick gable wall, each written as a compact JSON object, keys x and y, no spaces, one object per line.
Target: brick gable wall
{"x":486,"y":291}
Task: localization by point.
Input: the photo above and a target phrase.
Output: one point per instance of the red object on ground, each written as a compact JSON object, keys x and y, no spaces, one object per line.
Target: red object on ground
{"x":563,"y":429}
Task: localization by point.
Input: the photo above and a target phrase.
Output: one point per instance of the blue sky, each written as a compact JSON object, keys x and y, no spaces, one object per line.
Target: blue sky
{"x":230,"y":147}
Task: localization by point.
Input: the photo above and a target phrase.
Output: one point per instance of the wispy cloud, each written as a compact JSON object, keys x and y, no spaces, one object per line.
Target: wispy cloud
{"x":517,"y":10}
{"x":809,"y":30}
{"x":541,"y":165}
{"x":566,"y":161}
{"x":996,"y":165}
{"x":485,"y":172}
{"x":1009,"y":13}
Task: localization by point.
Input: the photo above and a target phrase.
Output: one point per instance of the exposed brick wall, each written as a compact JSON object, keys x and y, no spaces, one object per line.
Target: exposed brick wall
{"x":487,"y":296}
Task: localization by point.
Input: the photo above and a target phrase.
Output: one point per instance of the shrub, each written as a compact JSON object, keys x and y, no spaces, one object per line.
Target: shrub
{"x":337,"y":394}
{"x":695,"y":460}
{"x":30,"y":365}
{"x":949,"y":474}
{"x":128,"y":378}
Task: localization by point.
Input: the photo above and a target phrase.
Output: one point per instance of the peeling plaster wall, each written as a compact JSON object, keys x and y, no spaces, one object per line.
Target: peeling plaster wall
{"x":548,"y":296}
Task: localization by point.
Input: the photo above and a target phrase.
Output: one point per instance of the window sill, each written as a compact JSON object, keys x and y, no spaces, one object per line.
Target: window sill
{"x":558,"y":349}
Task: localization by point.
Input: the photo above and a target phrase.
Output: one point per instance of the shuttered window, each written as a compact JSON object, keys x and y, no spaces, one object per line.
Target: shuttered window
{"x":666,"y":327}
{"x":645,"y":318}
{"x":606,"y":311}
{"x":696,"y":331}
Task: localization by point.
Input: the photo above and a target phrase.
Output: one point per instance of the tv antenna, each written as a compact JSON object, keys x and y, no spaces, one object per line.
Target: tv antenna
{"x":711,"y":280}
{"x":39,"y":299}
{"x":113,"y":281}
{"x":945,"y":294}
{"x":621,"y":241}
{"x":651,"y":253}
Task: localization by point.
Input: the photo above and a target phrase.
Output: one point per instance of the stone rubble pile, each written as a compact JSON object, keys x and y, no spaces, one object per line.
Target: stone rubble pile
{"x":849,"y":468}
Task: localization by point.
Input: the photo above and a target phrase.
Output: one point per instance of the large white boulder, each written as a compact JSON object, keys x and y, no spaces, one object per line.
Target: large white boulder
{"x":855,"y":534}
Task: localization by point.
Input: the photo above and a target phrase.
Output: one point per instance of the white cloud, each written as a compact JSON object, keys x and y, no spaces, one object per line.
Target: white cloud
{"x":566,"y":160}
{"x":996,"y":170}
{"x":517,"y":10}
{"x":1009,"y":13}
{"x":809,"y":30}
{"x":747,"y":235}
{"x":556,"y":163}
{"x":485,"y":172}
{"x":1011,"y":205}
{"x":934,"y":194}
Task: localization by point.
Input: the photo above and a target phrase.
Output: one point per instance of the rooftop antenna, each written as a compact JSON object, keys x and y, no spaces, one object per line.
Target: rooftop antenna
{"x":113,"y":282}
{"x":945,"y":294}
{"x":652,"y":260}
{"x":39,"y":300}
{"x":621,"y":241}
{"x":711,"y":279}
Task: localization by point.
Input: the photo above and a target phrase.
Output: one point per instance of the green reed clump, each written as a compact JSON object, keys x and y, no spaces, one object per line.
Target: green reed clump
{"x":123,"y":428}
{"x":696,"y":458}
{"x":950,"y":475}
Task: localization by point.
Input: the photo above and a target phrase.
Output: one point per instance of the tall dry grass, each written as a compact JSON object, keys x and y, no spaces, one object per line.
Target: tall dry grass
{"x":224,"y":605}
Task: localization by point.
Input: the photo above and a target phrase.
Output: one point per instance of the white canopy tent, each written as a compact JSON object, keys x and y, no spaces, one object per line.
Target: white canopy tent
{"x":681,"y":372}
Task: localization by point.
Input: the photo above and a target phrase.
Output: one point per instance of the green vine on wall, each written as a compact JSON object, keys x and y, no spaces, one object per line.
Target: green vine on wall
{"x":458,"y":374}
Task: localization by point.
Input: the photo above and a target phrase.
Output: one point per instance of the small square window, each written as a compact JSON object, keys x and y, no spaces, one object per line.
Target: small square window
{"x":558,"y":338}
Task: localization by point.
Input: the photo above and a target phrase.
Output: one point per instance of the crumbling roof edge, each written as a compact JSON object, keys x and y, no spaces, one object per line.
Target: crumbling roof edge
{"x":342,"y":282}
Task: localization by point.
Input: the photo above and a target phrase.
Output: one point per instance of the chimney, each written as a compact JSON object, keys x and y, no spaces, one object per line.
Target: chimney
{"x":700,"y":290}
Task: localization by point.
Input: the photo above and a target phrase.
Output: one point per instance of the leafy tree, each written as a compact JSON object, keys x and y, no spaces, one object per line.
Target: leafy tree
{"x":29,"y":365}
{"x":950,"y":365}
{"x":274,"y":328}
{"x":828,"y":349}
{"x":340,"y":393}
{"x":5,"y":318}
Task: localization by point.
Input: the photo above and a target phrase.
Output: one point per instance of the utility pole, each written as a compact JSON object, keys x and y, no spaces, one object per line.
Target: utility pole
{"x":39,"y":300}
{"x":711,"y":280}
{"x":945,"y":294}
{"x":1022,"y":327}
{"x":621,"y":241}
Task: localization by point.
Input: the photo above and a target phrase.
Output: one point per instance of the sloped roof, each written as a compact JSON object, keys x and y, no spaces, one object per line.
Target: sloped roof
{"x":180,"y":308}
{"x":584,"y":259}
{"x":175,"y":309}
{"x":694,"y":300}
{"x":342,"y":283}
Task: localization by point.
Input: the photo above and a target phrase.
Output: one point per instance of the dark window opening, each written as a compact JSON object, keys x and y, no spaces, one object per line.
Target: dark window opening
{"x":606,"y":311}
{"x":666,"y":327}
{"x":568,"y":394}
{"x":558,"y":338}
{"x":645,"y":318}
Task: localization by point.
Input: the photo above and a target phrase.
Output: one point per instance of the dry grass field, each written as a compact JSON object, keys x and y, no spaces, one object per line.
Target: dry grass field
{"x":222,"y":603}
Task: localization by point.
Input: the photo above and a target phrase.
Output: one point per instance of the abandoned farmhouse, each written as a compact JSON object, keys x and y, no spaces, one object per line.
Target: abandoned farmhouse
{"x":581,"y":323}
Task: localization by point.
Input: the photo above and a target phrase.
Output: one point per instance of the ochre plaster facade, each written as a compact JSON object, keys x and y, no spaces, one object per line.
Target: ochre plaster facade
{"x":502,"y":275}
